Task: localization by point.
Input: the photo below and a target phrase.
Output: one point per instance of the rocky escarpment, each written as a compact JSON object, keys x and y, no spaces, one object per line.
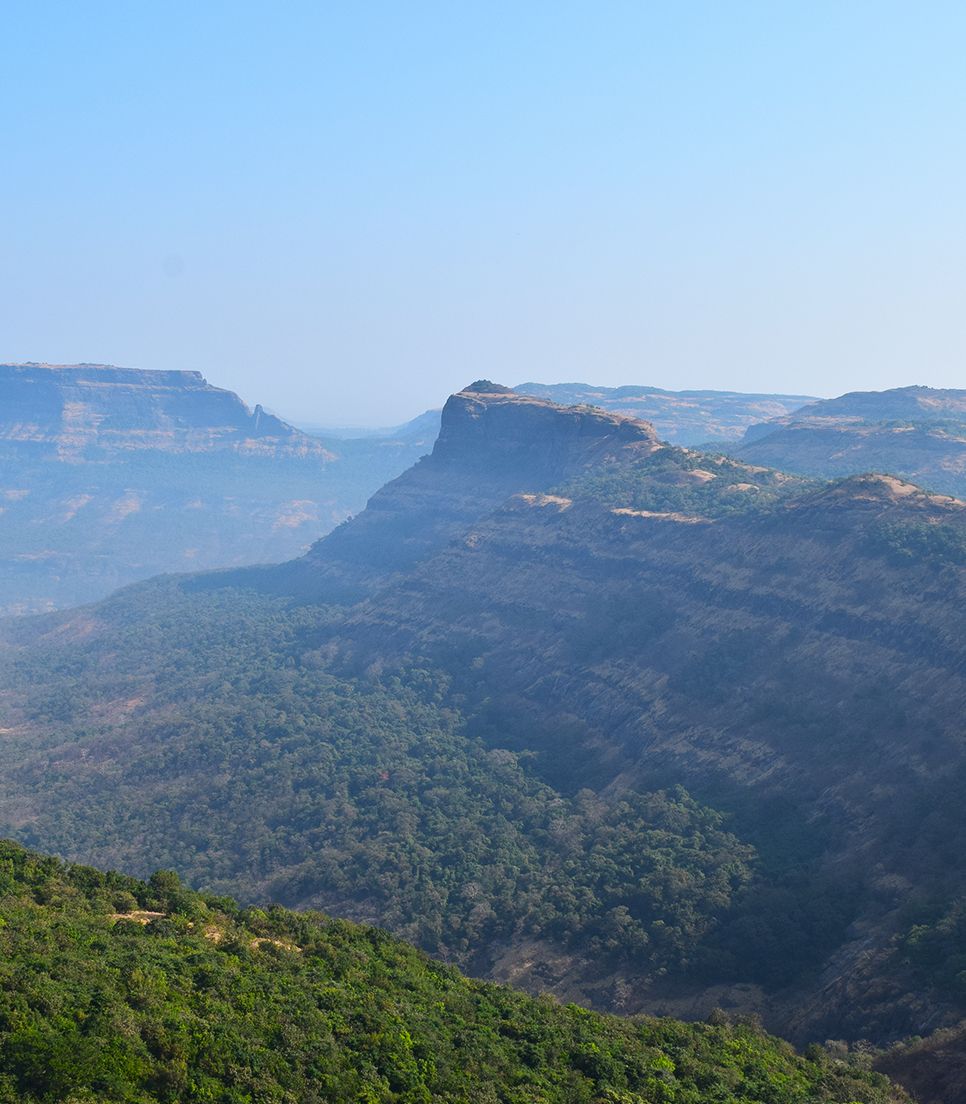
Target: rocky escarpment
{"x":492,"y":443}
{"x":87,"y":411}
{"x":918,"y":433}
{"x":112,"y":474}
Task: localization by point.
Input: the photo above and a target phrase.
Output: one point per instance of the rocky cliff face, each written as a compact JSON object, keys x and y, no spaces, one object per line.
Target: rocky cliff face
{"x":491,"y":429}
{"x":917,"y":433}
{"x":112,"y":474}
{"x":492,"y":444}
{"x":83,"y":411}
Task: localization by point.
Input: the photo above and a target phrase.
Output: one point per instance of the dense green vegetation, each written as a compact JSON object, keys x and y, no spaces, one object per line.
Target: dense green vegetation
{"x":911,"y":542}
{"x":936,"y":945}
{"x":283,"y":782}
{"x":677,"y":480}
{"x":205,"y":1003}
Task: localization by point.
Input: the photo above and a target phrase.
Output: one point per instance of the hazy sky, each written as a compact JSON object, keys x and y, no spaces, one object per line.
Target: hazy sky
{"x":348,"y":210}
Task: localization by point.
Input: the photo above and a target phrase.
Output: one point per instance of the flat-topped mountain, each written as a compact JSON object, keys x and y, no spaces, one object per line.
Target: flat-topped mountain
{"x":493,"y":427}
{"x":918,"y":433}
{"x":492,"y":443}
{"x":681,"y":417}
{"x":113,"y":474}
{"x":643,"y":726}
{"x":87,"y":411}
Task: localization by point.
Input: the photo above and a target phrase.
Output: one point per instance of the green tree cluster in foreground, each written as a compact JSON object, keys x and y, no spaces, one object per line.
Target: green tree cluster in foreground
{"x":113,"y":989}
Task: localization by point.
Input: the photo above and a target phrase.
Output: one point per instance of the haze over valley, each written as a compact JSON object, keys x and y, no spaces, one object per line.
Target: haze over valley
{"x":111,"y":475}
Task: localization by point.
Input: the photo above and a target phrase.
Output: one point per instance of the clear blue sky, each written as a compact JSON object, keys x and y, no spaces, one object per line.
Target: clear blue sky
{"x":347,"y":210}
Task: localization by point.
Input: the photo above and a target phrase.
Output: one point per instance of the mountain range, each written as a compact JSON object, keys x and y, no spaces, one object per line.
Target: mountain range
{"x":638,"y":725}
{"x":917,"y":433}
{"x":681,"y":417}
{"x":113,"y":474}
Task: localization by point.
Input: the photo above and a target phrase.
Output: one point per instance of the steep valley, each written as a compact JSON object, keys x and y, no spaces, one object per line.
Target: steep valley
{"x":468,"y":713}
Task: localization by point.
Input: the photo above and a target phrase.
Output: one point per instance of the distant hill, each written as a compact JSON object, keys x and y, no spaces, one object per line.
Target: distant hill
{"x":681,"y":417}
{"x":111,"y":475}
{"x":425,"y":426}
{"x":917,"y":433}
{"x":117,"y":990}
{"x":95,"y":411}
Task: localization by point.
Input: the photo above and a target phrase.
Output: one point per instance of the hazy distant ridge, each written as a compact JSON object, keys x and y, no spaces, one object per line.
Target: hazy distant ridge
{"x":114,"y":474}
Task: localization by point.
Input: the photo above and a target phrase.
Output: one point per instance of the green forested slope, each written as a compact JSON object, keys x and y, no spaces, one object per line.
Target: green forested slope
{"x":257,"y":772}
{"x":674,"y":479}
{"x":117,"y":990}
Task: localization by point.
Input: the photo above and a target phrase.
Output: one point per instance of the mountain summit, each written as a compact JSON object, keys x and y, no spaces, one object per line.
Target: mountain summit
{"x":487,"y":425}
{"x":492,"y":443}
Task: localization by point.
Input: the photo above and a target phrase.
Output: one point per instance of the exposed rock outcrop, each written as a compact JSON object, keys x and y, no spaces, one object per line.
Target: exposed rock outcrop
{"x":493,"y":443}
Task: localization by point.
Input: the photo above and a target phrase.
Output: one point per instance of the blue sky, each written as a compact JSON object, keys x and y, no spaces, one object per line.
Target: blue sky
{"x":346,"y":211}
